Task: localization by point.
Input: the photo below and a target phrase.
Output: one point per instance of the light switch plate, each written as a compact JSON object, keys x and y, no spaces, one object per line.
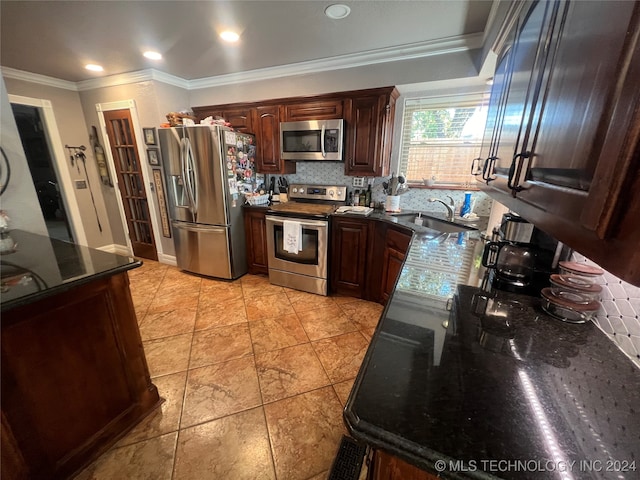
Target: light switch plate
{"x":358,"y":181}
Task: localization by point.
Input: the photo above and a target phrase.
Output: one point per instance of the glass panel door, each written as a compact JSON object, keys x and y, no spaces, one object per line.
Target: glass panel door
{"x":131,"y":182}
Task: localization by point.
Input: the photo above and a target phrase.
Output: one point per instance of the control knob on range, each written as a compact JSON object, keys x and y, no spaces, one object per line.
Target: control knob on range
{"x":331,"y":193}
{"x":295,"y":190}
{"x":300,"y":191}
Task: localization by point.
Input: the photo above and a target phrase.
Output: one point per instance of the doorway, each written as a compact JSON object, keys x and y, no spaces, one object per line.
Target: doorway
{"x":41,"y":166}
{"x":122,"y":141}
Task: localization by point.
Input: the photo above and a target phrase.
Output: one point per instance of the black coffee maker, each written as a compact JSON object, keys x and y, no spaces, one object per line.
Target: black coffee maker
{"x":520,"y":257}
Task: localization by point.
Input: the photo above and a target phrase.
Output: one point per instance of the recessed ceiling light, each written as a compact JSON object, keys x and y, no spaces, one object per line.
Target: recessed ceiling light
{"x":93,"y":67}
{"x":337,"y":11}
{"x":153,"y":55}
{"x":229,"y":36}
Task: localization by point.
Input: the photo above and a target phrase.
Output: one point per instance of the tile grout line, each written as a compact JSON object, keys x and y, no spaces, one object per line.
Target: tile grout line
{"x":264,"y":413}
{"x":186,"y":382}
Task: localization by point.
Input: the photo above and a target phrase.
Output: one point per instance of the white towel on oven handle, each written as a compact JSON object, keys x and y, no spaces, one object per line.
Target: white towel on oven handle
{"x":292,"y":236}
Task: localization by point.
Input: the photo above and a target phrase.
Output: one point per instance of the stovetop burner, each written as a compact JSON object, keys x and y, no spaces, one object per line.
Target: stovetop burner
{"x":311,"y":200}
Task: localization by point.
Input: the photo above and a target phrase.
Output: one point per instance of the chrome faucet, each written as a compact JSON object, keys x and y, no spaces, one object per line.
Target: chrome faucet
{"x":450,"y":207}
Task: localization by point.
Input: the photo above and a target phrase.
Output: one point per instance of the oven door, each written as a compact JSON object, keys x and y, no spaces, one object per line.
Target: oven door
{"x":311,"y":260}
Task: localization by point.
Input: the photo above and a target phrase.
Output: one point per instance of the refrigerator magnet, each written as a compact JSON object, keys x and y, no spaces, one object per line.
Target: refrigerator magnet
{"x":233,"y":187}
{"x":229,"y":137}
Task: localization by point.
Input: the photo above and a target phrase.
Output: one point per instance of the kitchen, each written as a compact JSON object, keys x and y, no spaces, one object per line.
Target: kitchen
{"x":194,"y":99}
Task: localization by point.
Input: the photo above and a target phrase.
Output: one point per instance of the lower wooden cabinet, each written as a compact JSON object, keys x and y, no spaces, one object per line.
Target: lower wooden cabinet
{"x":74,"y":379}
{"x":350,"y":241}
{"x":366,"y":257}
{"x":255,"y":229}
{"x":387,"y":467}
{"x":396,"y":243}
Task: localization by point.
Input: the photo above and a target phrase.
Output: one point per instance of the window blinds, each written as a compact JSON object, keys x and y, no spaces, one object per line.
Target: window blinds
{"x":440,"y":140}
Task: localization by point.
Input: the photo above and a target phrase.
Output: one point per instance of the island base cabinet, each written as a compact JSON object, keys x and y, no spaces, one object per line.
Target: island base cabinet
{"x":387,"y":467}
{"x":74,"y":379}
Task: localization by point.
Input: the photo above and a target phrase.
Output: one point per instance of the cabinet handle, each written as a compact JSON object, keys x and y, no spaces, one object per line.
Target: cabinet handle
{"x":486,"y":170}
{"x":476,"y":170}
{"x":514,"y":172}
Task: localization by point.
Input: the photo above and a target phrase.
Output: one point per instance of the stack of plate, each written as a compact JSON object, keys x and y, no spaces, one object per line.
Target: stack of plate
{"x":573,"y":295}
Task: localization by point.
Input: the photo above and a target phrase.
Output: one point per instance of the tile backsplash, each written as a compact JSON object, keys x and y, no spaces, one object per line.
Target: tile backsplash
{"x":332,"y":173}
{"x":619,"y":315}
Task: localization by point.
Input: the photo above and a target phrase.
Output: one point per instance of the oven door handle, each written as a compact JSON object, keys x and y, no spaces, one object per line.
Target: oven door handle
{"x":304,"y":223}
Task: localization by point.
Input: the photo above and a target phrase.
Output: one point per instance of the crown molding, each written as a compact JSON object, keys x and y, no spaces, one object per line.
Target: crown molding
{"x":371,"y":57}
{"x":132,"y":77}
{"x":8,"y":72}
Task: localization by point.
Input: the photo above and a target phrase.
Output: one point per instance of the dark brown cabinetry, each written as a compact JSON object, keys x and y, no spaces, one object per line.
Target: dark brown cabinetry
{"x":72,"y":381}
{"x":366,"y":257}
{"x":320,"y":110}
{"x":369,"y":119}
{"x":266,"y":123}
{"x":396,"y":244}
{"x":255,"y":228}
{"x":350,"y":245}
{"x":388,"y":467}
{"x":564,"y":148}
{"x":368,"y":115}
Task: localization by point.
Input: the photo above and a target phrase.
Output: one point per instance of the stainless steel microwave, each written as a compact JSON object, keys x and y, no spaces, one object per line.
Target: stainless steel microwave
{"x":312,"y":140}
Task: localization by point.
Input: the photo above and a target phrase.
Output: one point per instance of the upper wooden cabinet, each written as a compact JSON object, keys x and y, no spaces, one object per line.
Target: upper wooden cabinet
{"x":313,"y":110}
{"x":368,"y":116}
{"x":266,"y":123}
{"x":563,"y":147}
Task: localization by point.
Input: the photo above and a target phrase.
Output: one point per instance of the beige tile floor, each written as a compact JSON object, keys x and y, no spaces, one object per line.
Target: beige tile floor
{"x":254,"y":378}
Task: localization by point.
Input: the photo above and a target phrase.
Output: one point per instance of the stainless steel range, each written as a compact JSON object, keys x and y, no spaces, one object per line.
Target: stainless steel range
{"x":298,"y":237}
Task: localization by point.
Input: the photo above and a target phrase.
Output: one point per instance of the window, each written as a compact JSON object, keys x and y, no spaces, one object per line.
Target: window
{"x":440,"y":139}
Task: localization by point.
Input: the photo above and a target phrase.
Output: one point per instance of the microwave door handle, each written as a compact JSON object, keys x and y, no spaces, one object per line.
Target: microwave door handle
{"x":324,"y":154}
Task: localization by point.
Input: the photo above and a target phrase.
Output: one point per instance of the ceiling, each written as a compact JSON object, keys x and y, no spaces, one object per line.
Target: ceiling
{"x":57,"y":38}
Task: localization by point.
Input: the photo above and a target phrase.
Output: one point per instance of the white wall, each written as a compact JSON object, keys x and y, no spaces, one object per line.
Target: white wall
{"x":19,"y":200}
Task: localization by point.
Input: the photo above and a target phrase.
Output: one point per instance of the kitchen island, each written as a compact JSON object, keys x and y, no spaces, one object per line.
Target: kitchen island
{"x":466,"y":383}
{"x":74,"y":374}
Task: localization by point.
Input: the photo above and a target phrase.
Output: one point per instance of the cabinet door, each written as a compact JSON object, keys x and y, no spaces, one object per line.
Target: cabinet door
{"x":573,"y":115}
{"x":396,"y":245}
{"x":369,"y":131}
{"x":522,"y":58}
{"x":255,"y":230}
{"x":320,"y":110}
{"x":266,"y":124}
{"x":240,"y":119}
{"x":389,"y":467}
{"x":350,"y":240}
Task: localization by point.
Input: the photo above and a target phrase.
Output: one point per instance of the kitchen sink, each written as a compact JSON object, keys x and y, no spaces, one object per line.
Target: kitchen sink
{"x":433,"y":222}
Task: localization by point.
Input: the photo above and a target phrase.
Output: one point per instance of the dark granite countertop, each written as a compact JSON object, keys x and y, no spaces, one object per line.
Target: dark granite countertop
{"x":490,"y":384}
{"x":42,"y":266}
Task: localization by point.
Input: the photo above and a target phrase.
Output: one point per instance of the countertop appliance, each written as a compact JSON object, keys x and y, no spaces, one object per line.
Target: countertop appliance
{"x":312,"y":140}
{"x":208,"y":169}
{"x":521,"y":257}
{"x":307,"y":216}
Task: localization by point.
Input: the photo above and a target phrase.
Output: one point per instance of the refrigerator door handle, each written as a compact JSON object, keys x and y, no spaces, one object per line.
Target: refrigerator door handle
{"x":185,"y":174}
{"x":193,"y":175}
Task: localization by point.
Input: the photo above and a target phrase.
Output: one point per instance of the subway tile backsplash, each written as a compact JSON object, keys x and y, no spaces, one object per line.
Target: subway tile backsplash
{"x":619,"y":315}
{"x":332,"y":173}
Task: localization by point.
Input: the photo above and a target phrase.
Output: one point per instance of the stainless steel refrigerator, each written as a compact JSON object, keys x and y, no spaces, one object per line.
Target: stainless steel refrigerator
{"x":207,"y":171}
